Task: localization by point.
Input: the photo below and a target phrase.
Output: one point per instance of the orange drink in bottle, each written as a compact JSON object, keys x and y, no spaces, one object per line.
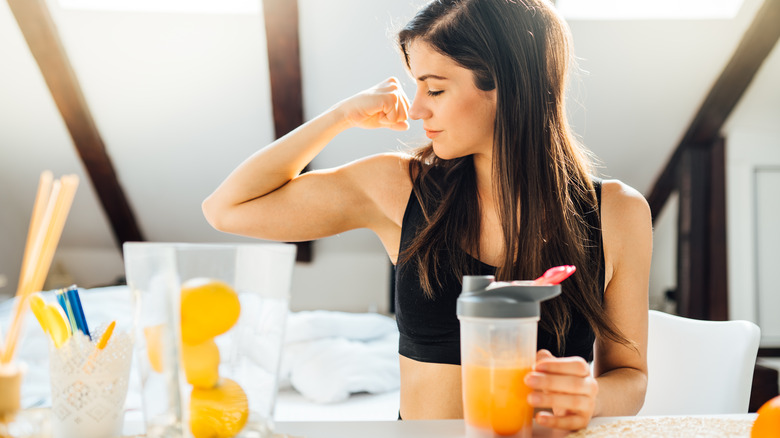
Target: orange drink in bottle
{"x":496,"y":399}
{"x":498,"y":326}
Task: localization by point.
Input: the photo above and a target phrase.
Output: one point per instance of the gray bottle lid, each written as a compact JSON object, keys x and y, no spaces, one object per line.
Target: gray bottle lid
{"x":483,"y":297}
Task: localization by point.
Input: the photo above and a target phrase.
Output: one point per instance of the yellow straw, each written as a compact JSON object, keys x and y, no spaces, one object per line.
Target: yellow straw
{"x":41,"y":200}
{"x":40,"y":209}
{"x":106,"y":336}
{"x":47,"y":229}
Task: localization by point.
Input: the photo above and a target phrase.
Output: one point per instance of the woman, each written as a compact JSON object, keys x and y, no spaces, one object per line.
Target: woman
{"x":502,"y":188}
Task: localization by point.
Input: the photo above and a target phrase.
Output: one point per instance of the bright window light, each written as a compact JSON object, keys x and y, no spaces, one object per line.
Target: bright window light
{"x":189,"y":6}
{"x":648,"y":9}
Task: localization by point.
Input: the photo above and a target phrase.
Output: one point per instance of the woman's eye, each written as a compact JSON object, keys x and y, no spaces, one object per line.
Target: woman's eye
{"x":434,"y":93}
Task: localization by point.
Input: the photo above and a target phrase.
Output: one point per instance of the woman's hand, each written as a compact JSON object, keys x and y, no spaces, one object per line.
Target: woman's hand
{"x":564,"y":385}
{"x":382,"y":106}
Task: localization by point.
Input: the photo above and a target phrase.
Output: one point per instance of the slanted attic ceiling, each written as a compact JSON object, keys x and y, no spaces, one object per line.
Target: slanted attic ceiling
{"x":181,"y":98}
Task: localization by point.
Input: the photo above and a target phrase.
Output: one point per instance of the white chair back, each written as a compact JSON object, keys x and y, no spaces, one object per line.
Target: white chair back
{"x":699,"y":367}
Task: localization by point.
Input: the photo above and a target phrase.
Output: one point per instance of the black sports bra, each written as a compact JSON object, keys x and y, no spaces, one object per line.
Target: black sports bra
{"x":429,"y":328}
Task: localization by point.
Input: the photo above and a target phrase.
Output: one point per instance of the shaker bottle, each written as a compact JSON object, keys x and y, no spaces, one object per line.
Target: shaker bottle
{"x":498,"y":323}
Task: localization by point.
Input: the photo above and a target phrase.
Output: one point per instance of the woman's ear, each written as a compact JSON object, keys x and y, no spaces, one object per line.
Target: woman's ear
{"x":493,"y":95}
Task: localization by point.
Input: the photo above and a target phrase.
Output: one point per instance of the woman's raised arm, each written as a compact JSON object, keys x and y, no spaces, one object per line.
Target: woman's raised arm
{"x":266,"y":197}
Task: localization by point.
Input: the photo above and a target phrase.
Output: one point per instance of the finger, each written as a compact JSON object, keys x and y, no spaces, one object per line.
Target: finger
{"x":570,"y":403}
{"x":568,"y":422}
{"x":400,"y":113}
{"x":575,"y":366}
{"x":403,"y":110}
{"x":543,"y":355}
{"x":390,"y":110}
{"x":389,"y":86}
{"x":389,"y":118}
{"x":400,"y":126}
{"x":561,"y":383}
{"x":384,"y":121}
{"x":398,"y":109}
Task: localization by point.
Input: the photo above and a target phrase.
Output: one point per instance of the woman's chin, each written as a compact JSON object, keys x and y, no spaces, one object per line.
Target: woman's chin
{"x":444,"y":154}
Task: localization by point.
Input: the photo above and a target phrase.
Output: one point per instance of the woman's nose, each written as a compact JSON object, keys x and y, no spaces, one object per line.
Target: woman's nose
{"x":418,"y":110}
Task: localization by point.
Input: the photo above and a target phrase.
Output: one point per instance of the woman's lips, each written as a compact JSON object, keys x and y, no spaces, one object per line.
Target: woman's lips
{"x":432,"y":134}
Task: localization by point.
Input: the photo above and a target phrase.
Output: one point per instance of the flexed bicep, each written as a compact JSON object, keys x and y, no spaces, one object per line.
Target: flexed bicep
{"x":367,"y":193}
{"x":313,"y":205}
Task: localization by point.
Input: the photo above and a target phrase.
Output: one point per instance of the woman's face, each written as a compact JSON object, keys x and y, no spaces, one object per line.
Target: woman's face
{"x":457,"y":116}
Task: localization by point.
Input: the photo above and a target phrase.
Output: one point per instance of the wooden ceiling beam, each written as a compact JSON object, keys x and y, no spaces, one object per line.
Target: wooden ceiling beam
{"x":41,"y":34}
{"x":704,"y":131}
{"x":284,"y":64}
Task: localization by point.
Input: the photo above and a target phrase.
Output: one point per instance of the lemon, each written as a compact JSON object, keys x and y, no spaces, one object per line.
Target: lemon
{"x":153,"y":335}
{"x":219,"y":412}
{"x":201,"y":364}
{"x":209,"y":308}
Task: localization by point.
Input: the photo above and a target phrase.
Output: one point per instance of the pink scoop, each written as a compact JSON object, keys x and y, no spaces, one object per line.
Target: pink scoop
{"x":555,"y":275}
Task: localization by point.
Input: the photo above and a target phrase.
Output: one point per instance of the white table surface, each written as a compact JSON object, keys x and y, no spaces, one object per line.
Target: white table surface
{"x":385,"y":429}
{"x":360,"y":429}
{"x":424,"y":428}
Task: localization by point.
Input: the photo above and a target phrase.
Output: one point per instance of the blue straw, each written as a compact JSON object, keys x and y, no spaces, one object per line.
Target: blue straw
{"x":78,"y":311}
{"x":65,"y":304}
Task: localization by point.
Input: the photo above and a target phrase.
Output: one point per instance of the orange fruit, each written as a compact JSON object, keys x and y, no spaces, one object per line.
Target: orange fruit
{"x":153,"y":335}
{"x":219,"y":412}
{"x":767,"y":424}
{"x":201,"y":364}
{"x":209,"y":308}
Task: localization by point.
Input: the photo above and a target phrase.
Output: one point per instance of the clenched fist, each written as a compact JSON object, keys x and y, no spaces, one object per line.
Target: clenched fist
{"x":384,"y":105}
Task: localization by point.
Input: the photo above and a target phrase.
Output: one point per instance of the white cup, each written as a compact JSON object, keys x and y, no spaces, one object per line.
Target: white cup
{"x":89,"y":386}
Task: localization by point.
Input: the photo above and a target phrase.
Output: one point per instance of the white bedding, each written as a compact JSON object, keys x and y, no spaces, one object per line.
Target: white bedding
{"x":335,"y":366}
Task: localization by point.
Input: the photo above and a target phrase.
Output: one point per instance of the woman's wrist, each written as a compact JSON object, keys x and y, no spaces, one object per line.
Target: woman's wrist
{"x":338,"y":116}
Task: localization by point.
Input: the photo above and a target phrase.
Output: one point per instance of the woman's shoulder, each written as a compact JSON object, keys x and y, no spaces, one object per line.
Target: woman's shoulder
{"x":625,"y":215}
{"x":623,"y":202}
{"x":385,"y":180}
{"x":385,"y":168}
{"x":621,"y":194}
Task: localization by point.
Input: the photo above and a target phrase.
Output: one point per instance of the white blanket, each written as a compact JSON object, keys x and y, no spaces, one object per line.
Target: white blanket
{"x":329,"y":355}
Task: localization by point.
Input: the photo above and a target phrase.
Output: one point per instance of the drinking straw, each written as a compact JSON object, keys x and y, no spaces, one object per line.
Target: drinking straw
{"x":65,"y":304}
{"x":42,"y":210}
{"x":41,"y":200}
{"x":44,"y":234}
{"x":72,"y":294}
{"x":106,"y":335}
{"x":101,"y":344}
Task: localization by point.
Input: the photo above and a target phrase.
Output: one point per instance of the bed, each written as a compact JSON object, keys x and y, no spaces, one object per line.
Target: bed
{"x":359,"y":381}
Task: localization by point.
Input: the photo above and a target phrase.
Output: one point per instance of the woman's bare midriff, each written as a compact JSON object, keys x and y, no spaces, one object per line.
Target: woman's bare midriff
{"x":430,"y":390}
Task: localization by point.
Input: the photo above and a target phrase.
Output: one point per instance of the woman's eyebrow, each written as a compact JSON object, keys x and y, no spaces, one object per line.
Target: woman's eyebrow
{"x":424,"y":78}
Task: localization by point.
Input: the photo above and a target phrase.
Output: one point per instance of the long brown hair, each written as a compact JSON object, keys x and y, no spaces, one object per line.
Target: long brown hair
{"x":541,"y":173}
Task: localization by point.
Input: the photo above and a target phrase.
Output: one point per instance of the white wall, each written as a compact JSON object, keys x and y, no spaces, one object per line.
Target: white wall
{"x":663,"y":268}
{"x":753,"y":143}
